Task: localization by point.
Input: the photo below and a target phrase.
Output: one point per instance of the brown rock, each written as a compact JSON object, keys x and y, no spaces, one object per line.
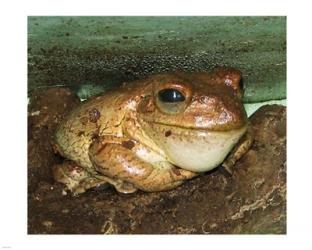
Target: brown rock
{"x":47,"y":107}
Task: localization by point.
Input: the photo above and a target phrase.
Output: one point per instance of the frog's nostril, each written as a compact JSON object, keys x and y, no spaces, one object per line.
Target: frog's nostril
{"x":204,"y":99}
{"x":223,"y":115}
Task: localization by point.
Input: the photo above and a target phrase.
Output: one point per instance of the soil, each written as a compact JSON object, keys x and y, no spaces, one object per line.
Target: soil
{"x":251,"y":201}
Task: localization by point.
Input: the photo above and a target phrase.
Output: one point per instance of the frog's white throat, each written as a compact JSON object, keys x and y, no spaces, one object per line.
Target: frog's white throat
{"x":191,"y":149}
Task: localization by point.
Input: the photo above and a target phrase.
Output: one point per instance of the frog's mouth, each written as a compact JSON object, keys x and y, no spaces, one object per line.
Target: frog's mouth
{"x":197,"y":150}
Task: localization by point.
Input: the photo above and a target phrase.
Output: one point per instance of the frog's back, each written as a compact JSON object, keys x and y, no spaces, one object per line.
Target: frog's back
{"x":96,"y":117}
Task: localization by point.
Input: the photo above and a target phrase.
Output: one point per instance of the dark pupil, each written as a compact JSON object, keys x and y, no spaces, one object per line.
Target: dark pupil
{"x":171,"y":95}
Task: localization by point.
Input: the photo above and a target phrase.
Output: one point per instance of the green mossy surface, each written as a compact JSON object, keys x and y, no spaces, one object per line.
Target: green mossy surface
{"x":105,"y":51}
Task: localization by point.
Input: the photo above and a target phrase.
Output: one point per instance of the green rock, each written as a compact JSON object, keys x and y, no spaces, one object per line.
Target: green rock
{"x":106,"y":51}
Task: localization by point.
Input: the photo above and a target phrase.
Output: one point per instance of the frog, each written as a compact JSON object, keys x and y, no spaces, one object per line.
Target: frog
{"x":155,"y":133}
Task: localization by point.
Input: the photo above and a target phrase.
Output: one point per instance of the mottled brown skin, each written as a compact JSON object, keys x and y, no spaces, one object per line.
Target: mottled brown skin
{"x":108,"y":138}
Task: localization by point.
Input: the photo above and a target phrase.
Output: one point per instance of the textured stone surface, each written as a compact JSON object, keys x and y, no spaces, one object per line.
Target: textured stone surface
{"x":91,"y":54}
{"x":45,"y":110}
{"x":253,"y":200}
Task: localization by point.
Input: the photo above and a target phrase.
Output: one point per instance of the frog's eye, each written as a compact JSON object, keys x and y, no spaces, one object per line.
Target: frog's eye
{"x":171,"y":100}
{"x":171,"y":95}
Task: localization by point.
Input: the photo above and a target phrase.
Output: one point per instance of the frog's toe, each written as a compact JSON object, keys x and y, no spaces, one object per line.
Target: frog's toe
{"x":125,"y":188}
{"x":68,"y":174}
{"x":227,"y":168}
{"x":88,"y":183}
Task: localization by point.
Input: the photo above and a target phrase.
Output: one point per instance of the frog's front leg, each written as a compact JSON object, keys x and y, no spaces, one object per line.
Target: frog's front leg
{"x":239,"y":150}
{"x":118,"y":160}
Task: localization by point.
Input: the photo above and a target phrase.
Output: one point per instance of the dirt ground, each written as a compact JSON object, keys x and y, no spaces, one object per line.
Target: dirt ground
{"x":252,"y":201}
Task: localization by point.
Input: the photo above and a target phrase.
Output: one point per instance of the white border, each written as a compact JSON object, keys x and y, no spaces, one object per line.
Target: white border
{"x":13,"y":220}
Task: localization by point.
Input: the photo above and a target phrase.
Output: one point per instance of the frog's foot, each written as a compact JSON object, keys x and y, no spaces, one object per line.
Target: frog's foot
{"x":76,"y":178}
{"x":239,"y":150}
{"x":120,"y":162}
